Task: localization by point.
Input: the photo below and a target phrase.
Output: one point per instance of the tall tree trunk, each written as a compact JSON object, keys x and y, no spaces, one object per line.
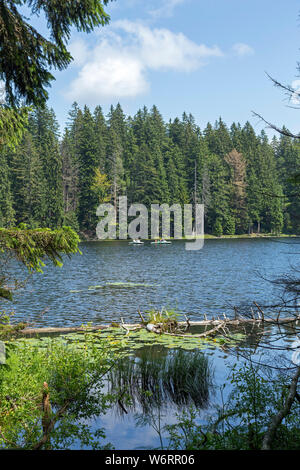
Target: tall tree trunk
{"x":277,"y":419}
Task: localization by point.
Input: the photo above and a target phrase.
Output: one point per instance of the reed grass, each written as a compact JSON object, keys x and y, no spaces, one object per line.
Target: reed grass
{"x":158,"y":379}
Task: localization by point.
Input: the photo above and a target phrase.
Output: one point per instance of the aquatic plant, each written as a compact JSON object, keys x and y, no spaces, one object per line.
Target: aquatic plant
{"x":127,"y":343}
{"x":156,"y":378}
{"x":165,"y":320}
{"x":114,"y":285}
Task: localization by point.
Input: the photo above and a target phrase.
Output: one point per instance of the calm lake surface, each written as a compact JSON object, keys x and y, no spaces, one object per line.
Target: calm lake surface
{"x":114,"y":279}
{"x":224,"y":273}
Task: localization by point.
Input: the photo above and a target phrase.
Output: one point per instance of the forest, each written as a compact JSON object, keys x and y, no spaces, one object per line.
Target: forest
{"x":243,"y":179}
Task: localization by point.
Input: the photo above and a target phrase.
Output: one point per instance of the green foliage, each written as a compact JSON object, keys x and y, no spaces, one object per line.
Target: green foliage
{"x":74,"y":380}
{"x":218,"y":229}
{"x":186,"y":434}
{"x":243,"y":179}
{"x":44,"y":130}
{"x":229,"y":226}
{"x":163,"y":317}
{"x":136,"y":340}
{"x":243,"y":419}
{"x":101,"y":186}
{"x":12,"y":125}
{"x":287,"y":153}
{"x":8,"y":330}
{"x":33,"y":247}
{"x":27,"y":56}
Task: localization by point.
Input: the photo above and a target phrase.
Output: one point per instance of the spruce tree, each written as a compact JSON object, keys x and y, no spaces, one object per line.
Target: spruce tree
{"x":29,"y":184}
{"x":88,"y":161}
{"x":44,"y":128}
{"x":7,"y":213}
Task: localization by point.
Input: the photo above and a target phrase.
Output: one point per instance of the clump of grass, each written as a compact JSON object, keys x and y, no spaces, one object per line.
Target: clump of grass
{"x":155,"y":380}
{"x":167,"y":320}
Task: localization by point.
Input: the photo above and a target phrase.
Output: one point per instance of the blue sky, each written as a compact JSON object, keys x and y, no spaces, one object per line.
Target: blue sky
{"x":207,"y":58}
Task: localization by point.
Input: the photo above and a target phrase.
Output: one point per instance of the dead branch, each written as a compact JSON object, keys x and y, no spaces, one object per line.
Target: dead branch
{"x":260,"y":310}
{"x":134,"y":326}
{"x":141,"y":316}
{"x":281,"y":131}
{"x":124,"y":326}
{"x":201,"y":335}
{"x":187,"y":322}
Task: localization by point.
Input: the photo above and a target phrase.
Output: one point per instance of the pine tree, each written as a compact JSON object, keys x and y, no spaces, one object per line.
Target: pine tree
{"x":44,"y":128}
{"x":287,"y":153}
{"x":254,"y":196}
{"x":272,"y":202}
{"x":86,"y":149}
{"x":7,"y":213}
{"x":101,"y":136}
{"x":220,"y":190}
{"x":240,"y":177}
{"x":70,"y":181}
{"x":29,"y":184}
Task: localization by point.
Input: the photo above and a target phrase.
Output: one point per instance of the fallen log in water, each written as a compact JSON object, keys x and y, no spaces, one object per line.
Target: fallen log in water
{"x":64,"y":330}
{"x":128,"y":326}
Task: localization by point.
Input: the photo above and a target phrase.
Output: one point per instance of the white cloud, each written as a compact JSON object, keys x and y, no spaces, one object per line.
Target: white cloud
{"x":117,"y":65}
{"x":167,"y":8}
{"x":162,"y":49}
{"x":108,"y":77}
{"x":79,"y":51}
{"x":242,"y":49}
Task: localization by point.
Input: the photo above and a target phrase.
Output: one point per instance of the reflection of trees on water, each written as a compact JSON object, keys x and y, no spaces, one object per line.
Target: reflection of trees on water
{"x":269,"y":340}
{"x":157,"y":378}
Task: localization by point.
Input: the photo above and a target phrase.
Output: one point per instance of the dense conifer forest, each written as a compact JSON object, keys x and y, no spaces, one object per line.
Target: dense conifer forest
{"x":242,"y":178}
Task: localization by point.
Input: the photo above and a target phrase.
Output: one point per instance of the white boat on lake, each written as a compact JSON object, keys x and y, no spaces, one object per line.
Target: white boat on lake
{"x":136,"y":242}
{"x":161,"y":242}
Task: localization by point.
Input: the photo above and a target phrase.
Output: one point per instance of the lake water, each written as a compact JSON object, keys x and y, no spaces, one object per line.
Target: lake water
{"x":113,"y":279}
{"x":226,"y":272}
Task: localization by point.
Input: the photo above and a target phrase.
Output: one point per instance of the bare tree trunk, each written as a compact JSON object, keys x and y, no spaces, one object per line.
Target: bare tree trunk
{"x":277,"y":419}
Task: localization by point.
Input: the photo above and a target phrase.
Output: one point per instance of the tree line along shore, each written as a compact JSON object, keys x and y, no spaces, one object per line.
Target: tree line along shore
{"x":243,"y":179}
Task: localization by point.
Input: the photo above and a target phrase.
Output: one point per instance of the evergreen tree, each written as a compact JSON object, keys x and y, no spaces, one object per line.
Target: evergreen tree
{"x":29,"y":183}
{"x":44,"y":128}
{"x":243,"y":180}
{"x":287,"y":153}
{"x":7,"y":213}
{"x":88,"y":161}
{"x":237,"y":164}
{"x":70,"y":181}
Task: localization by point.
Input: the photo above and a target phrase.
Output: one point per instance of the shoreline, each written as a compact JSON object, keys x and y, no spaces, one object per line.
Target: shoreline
{"x":255,"y":236}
